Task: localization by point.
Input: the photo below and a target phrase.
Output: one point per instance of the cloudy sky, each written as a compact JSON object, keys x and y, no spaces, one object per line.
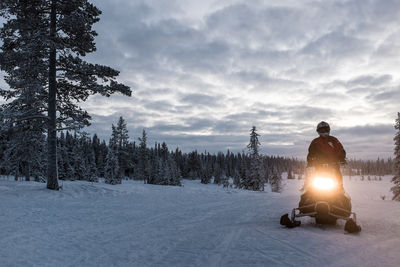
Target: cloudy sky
{"x":203,"y":72}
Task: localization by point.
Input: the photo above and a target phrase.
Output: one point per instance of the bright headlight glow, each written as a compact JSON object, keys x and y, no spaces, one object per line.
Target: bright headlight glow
{"x":323,"y":183}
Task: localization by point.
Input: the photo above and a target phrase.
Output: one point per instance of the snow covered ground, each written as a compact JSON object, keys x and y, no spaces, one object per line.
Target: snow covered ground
{"x":133,"y":224}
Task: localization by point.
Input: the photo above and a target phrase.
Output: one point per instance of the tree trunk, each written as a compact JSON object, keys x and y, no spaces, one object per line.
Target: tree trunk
{"x":27,"y":171}
{"x":52,"y":179}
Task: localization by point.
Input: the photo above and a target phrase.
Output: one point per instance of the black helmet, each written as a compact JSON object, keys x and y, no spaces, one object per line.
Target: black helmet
{"x":323,"y":127}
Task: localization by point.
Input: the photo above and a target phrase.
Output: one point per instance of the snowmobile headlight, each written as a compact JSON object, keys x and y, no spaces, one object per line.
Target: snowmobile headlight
{"x":324,"y":183}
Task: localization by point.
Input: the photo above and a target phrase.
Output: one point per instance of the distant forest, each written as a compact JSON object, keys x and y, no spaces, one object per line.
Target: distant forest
{"x":81,"y":157}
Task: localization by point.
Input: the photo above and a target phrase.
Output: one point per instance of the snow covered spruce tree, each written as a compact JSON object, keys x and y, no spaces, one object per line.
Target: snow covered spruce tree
{"x":43,"y":45}
{"x":193,"y":165}
{"x":396,"y":178}
{"x":89,"y":172}
{"x":170,"y":175}
{"x":23,"y":63}
{"x":165,"y":170}
{"x":254,"y":179}
{"x":143,"y":164}
{"x":205,"y":172}
{"x":24,"y":149}
{"x":120,"y":142}
{"x":276,"y":181}
{"x":112,"y":173}
{"x":290,"y":174}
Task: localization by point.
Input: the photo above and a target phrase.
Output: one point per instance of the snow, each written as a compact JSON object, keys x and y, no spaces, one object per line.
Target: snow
{"x":134,"y":224}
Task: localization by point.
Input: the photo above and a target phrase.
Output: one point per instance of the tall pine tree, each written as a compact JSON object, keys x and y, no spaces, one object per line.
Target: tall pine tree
{"x":44,"y":42}
{"x":143,"y":164}
{"x":23,"y":62}
{"x":112,"y":174}
{"x":254,"y":179}
{"x":120,"y":141}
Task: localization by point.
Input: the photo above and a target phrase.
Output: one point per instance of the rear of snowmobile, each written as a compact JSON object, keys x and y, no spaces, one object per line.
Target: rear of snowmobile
{"x":325,"y":200}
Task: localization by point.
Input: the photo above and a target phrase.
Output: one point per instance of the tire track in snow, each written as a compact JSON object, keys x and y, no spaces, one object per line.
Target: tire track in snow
{"x":287,"y":244}
{"x":218,"y":258}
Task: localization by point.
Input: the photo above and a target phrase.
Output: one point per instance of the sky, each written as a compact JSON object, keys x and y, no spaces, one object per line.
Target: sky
{"x":204,"y":72}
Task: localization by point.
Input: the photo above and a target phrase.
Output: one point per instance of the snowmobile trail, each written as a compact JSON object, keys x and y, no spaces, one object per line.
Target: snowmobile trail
{"x":133,"y":224}
{"x":280,"y":239}
{"x":224,"y":247}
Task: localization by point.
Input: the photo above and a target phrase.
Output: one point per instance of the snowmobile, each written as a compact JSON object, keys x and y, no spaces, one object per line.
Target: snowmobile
{"x":325,"y":200}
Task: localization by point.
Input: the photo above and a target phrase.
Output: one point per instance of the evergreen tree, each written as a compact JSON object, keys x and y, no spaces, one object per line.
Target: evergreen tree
{"x":96,"y":151}
{"x":23,"y":154}
{"x":236,"y":179}
{"x":78,"y":158}
{"x":23,"y":60}
{"x":120,"y":141}
{"x":158,"y":178}
{"x":89,"y":173}
{"x":254,"y":179}
{"x":276,"y":182}
{"x":396,"y":179}
{"x":175,"y":177}
{"x":217,"y":173}
{"x":143,"y":168}
{"x":90,"y":170}
{"x":193,"y":165}
{"x":164,"y":170}
{"x":24,"y":97}
{"x":62,"y":157}
{"x":3,"y":140}
{"x":44,"y":42}
{"x":205,"y":172}
{"x":243,"y":167}
{"x":112,"y":169}
{"x":290,"y":174}
{"x":254,"y":143}
{"x":69,"y":158}
{"x":102,"y":158}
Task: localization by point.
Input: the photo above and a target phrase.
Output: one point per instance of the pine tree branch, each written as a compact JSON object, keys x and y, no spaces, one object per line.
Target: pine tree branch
{"x":67,"y":128}
{"x":33,"y":117}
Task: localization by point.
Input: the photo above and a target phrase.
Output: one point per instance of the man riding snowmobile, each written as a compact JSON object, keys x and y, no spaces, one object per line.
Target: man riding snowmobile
{"x":324,"y":197}
{"x":326,"y":150}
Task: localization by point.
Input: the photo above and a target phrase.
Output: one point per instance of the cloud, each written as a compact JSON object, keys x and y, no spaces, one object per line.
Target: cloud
{"x":386,"y":96}
{"x":368,"y":130}
{"x":362,"y":81}
{"x":200,"y":99}
{"x":370,"y":80}
{"x":375,"y":138}
{"x":336,"y":45}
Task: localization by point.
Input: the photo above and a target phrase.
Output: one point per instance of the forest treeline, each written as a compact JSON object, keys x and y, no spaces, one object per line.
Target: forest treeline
{"x":82,"y":157}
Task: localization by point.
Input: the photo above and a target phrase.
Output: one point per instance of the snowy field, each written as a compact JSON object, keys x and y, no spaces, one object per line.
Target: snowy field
{"x":94,"y":224}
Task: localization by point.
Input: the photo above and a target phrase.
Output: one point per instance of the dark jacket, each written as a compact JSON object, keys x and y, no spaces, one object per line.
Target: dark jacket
{"x":325,"y":150}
